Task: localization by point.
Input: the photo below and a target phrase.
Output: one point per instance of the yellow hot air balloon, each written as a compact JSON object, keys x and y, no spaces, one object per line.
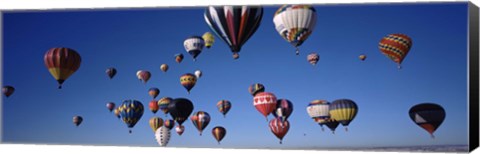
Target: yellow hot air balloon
{"x":155,"y":123}
{"x":343,"y":111}
{"x":209,"y":39}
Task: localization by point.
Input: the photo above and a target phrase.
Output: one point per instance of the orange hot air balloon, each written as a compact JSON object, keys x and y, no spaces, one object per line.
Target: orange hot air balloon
{"x":62,"y":63}
{"x":395,"y":47}
{"x":153,"y":105}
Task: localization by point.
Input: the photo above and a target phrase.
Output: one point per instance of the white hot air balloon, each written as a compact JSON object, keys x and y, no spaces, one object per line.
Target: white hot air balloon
{"x":295,"y":23}
{"x":194,"y":46}
{"x":319,"y":111}
{"x":162,"y":135}
{"x":198,"y":73}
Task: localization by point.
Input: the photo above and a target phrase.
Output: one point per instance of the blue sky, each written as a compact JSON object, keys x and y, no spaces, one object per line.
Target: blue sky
{"x":134,"y":39}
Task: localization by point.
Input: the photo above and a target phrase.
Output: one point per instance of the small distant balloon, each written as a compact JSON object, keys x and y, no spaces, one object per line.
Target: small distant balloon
{"x":164,"y":67}
{"x":188,"y":81}
{"x":180,"y":109}
{"x":77,"y":120}
{"x":265,"y":103}
{"x":180,"y":129}
{"x":8,"y":90}
{"x":313,"y":58}
{"x":154,"y":92}
{"x":224,"y":106}
{"x":153,"y":106}
{"x":178,"y":57}
{"x":155,"y":123}
{"x":62,"y":63}
{"x":111,"y":72}
{"x":163,"y":104}
{"x":362,"y":57}
{"x":284,"y":109}
{"x":209,"y":39}
{"x":131,"y":111}
{"x":169,"y":123}
{"x":198,"y":74}
{"x":110,"y":106}
{"x":200,"y":120}
{"x":279,"y":128}
{"x":219,"y":133}
{"x":143,"y":75}
{"x":194,"y":46}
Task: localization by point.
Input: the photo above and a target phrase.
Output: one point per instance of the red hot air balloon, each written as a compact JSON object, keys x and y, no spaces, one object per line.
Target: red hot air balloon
{"x":153,"y":105}
{"x":265,"y":103}
{"x":279,"y":128}
{"x":144,"y":76}
{"x":62,"y":63}
{"x":395,"y":47}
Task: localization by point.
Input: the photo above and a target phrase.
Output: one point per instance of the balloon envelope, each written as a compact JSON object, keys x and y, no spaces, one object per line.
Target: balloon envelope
{"x":313,"y":58}
{"x":111,"y":72}
{"x":279,"y":128}
{"x":180,"y":109}
{"x":188,"y":81}
{"x":154,"y":92}
{"x":209,"y":39}
{"x":8,"y":90}
{"x":164,"y":67}
{"x":283,"y":109}
{"x":144,"y":76}
{"x":200,"y":120}
{"x":110,"y":106}
{"x":131,"y":111}
{"x":256,"y":88}
{"x":265,"y":103}
{"x":343,"y":111}
{"x":169,"y":123}
{"x":77,"y":120}
{"x":180,"y":129}
{"x":224,"y":106}
{"x":219,"y":133}
{"x":163,"y":104}
{"x":162,"y":135}
{"x":155,"y":123}
{"x":62,"y":63}
{"x":429,"y":116}
{"x":395,"y":47}
{"x":178,"y":57}
{"x":194,"y":46}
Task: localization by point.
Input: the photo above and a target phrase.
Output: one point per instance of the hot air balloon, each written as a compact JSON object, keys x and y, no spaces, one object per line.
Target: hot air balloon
{"x":343,"y":111}
{"x":144,"y":76}
{"x":198,"y":74}
{"x":279,"y":128}
{"x":163,"y":104}
{"x":200,"y":120}
{"x":154,"y":92}
{"x":219,"y":133}
{"x":8,"y":90}
{"x":295,"y":23}
{"x":162,"y":135}
{"x":194,"y":46}
{"x":164,"y":67}
{"x":362,"y":57}
{"x":153,"y":105}
{"x":131,"y":112}
{"x":313,"y":58}
{"x":77,"y":120}
{"x":62,"y":63}
{"x":283,"y":109}
{"x":117,"y":112}
{"x":234,"y":24}
{"x":180,"y":129}
{"x":188,"y":81}
{"x":209,"y":39}
{"x":265,"y":103}
{"x":169,"y":123}
{"x":332,"y":124}
{"x":224,"y":106}
{"x":256,"y":88}
{"x":180,"y":109}
{"x":178,"y":57}
{"x":429,"y":116}
{"x":155,"y":123}
{"x":110,"y":106}
{"x":395,"y":47}
{"x":111,"y":72}
{"x":319,"y":111}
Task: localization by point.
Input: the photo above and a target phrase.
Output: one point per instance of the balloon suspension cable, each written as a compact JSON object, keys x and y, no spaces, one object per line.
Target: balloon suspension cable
{"x":280,"y":141}
{"x":224,"y":116}
{"x":346,"y":129}
{"x":266,"y":118}
{"x":433,"y":136}
{"x":194,"y":59}
{"x":399,"y":67}
{"x":200,"y":133}
{"x":297,"y":52}
{"x":60,"y":86}
{"x":130,"y":131}
{"x":323,"y":129}
{"x":333,"y":132}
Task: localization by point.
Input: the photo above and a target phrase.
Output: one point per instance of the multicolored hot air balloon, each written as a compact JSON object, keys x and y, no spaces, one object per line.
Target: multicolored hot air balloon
{"x":265,"y":103}
{"x":194,"y":46}
{"x":180,"y":129}
{"x":198,"y":74}
{"x":77,"y":120}
{"x":111,"y":72}
{"x":163,"y":104}
{"x":153,"y":92}
{"x":131,"y":111}
{"x":224,"y":106}
{"x":169,"y":123}
{"x":343,"y":111}
{"x":8,"y":90}
{"x":313,"y":58}
{"x":117,"y":112}
{"x":180,"y":109}
{"x":234,"y":24}
{"x":395,"y":47}
{"x":279,"y":128}
{"x":256,"y":88}
{"x":153,"y":106}
{"x":188,"y":81}
{"x":209,"y":39}
{"x":164,"y":67}
{"x":429,"y":116}
{"x":62,"y":63}
{"x":319,"y":111}
{"x":144,"y":76}
{"x":178,"y":57}
{"x":110,"y":106}
{"x":162,"y":135}
{"x":362,"y":57}
{"x":219,"y":133}
{"x":200,"y":120}
{"x":295,"y":23}
{"x":283,"y":109}
{"x":155,"y":123}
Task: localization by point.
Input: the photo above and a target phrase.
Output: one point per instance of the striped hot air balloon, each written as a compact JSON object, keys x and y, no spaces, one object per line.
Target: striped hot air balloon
{"x":265,"y":103}
{"x":343,"y":111}
{"x":188,"y":81}
{"x":395,"y":47}
{"x":313,"y":58}
{"x":219,"y":133}
{"x":155,"y":123}
{"x":224,"y":106}
{"x":295,"y":23}
{"x":153,"y":92}
{"x":429,"y":116}
{"x":234,"y":24}
{"x":279,"y":128}
{"x":163,"y":104}
{"x":256,"y":88}
{"x":62,"y":63}
{"x":319,"y":111}
{"x":169,"y":123}
{"x":131,"y":111}
{"x":200,"y":120}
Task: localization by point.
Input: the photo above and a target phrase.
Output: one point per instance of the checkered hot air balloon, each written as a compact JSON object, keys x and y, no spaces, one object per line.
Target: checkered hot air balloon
{"x":224,"y":106}
{"x":234,"y":24}
{"x":62,"y":63}
{"x":295,"y":23}
{"x":395,"y":47}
